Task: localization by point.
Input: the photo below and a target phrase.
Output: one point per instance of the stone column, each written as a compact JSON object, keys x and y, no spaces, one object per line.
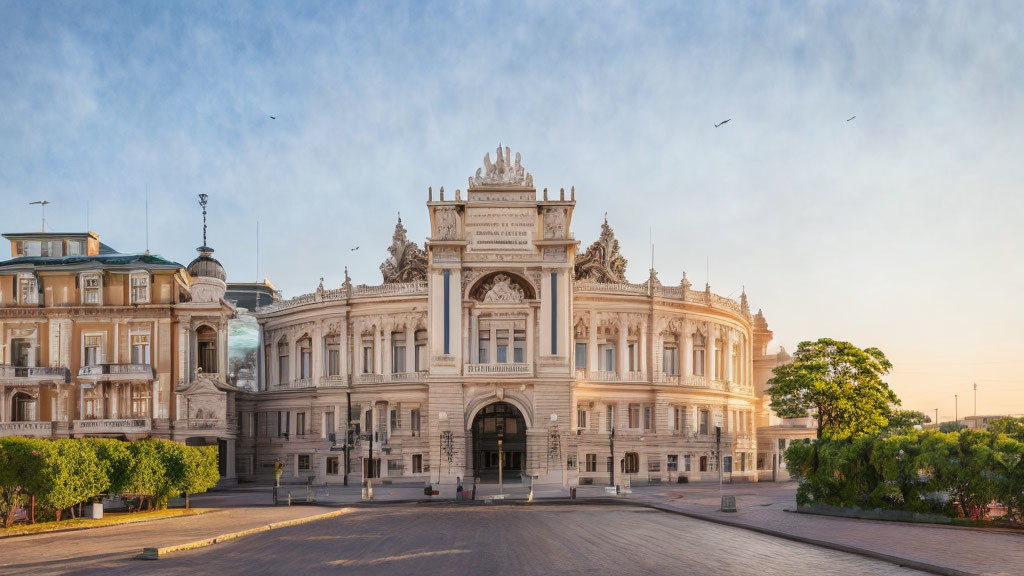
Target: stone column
{"x":378,"y":352}
{"x":467,"y":336}
{"x":686,"y":346}
{"x":410,"y":345}
{"x":474,"y":336}
{"x":3,"y":398}
{"x":316,"y":370}
{"x":343,"y":349}
{"x":709,"y":352}
{"x":593,"y":357}
{"x":386,"y":359}
{"x":642,"y":351}
{"x":623,"y":348}
{"x":529,"y":336}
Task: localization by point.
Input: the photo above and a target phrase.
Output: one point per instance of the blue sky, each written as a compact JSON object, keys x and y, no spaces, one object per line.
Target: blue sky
{"x":900,"y":229}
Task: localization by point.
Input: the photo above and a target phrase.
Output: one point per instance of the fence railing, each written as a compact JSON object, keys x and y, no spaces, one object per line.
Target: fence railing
{"x":499,"y":368}
{"x":34,"y":372}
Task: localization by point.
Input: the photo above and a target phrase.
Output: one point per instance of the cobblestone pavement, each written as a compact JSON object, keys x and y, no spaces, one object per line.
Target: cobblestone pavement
{"x":764,"y":505}
{"x":56,"y":553}
{"x":502,"y":539}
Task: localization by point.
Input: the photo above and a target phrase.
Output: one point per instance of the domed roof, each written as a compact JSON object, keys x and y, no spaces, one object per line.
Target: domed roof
{"x":206,"y":266}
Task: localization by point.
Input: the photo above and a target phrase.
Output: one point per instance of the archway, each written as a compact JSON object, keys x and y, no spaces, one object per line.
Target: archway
{"x":499,"y":421}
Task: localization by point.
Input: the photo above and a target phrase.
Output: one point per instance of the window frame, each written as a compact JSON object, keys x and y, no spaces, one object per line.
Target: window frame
{"x":147,"y":282}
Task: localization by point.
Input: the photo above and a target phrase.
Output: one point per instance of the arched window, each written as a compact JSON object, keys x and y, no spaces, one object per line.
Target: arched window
{"x":305,"y":347}
{"x":207,"y":339}
{"x":631,"y":463}
{"x":23,"y":407}
{"x":282,"y":362}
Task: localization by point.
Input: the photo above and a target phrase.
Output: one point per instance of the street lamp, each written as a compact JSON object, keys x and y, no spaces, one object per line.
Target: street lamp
{"x":611,"y":447}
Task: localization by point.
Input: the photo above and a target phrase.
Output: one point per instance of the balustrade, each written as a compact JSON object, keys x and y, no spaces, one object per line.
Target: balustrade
{"x":499,"y":368}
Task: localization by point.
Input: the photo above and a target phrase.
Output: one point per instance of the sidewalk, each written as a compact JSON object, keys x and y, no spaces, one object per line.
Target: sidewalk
{"x":763,"y":507}
{"x":55,"y":553}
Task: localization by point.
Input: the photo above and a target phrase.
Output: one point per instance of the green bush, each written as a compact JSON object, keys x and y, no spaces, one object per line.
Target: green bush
{"x":58,"y":475}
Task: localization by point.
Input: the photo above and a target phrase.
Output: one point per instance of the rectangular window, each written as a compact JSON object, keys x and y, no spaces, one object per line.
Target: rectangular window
{"x":414,"y":421}
{"x":33,"y":248}
{"x":91,"y":293}
{"x":698,"y":362}
{"x":485,"y":347}
{"x":673,"y":463}
{"x":611,"y":417}
{"x":398,"y":352}
{"x":782,"y":444}
{"x":75,"y":248}
{"x":140,"y":288}
{"x":686,"y":463}
{"x":394,"y":467}
{"x":421,"y":350}
{"x":670,"y":363}
{"x":27,"y":292}
{"x":647,"y":418}
{"x":705,"y":421}
{"x":395,"y":422}
{"x":333,"y":362}
{"x":609,"y":358}
{"x":93,"y":350}
{"x":367,"y":359}
{"x":417,"y":463}
{"x":581,"y":418}
{"x":329,"y":424}
{"x":305,"y":361}
{"x":303,"y":461}
{"x":519,"y":347}
{"x":55,"y":248}
{"x":141,"y":397}
{"x":332,"y":465}
{"x":300,"y":423}
{"x":703,"y":463}
{"x":581,"y":356}
{"x":140,"y":349}
{"x":502,"y":346}
{"x":634,"y":415}
{"x":680,"y":415}
{"x":591,"y":462}
{"x":632,"y":357}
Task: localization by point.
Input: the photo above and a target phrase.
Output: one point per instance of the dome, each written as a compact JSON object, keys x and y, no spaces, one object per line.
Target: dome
{"x":206,"y":266}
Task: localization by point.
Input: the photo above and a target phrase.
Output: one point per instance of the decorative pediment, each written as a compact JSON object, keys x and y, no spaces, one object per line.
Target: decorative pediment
{"x":602,"y":261}
{"x":408,"y":263}
{"x":503,"y":172}
{"x":500,"y":289}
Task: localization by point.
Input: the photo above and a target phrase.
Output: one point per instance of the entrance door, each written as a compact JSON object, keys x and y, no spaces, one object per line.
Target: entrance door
{"x":499,"y":421}
{"x":21,"y":351}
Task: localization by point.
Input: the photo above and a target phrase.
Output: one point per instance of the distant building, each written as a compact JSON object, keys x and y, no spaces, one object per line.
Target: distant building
{"x":982,"y":422}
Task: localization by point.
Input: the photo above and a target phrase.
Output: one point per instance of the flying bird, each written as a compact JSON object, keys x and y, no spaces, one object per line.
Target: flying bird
{"x":722,"y":122}
{"x":354,"y":249}
{"x":273,"y":117}
{"x":850,"y":118}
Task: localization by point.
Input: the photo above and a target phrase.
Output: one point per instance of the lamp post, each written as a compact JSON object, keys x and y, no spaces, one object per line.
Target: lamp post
{"x":611,"y":448}
{"x":501,"y":459}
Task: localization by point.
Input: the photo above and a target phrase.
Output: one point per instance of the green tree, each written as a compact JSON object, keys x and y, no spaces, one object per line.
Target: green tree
{"x":190,"y":469}
{"x":950,"y":426}
{"x":962,"y":463}
{"x":116,"y":458}
{"x":71,"y":474}
{"x":146,"y":473}
{"x":837,"y":383}
{"x":903,"y":421}
{"x":1008,"y":466}
{"x":19,"y":474}
{"x":1013,"y":427}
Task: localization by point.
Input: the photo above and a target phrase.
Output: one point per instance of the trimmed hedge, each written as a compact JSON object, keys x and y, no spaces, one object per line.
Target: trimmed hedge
{"x":57,"y":475}
{"x":955,"y":473}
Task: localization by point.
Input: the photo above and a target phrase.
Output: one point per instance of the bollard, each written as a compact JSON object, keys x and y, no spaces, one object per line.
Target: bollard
{"x":289,"y":497}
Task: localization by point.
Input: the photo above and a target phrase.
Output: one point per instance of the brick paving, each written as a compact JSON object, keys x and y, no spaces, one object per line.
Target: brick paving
{"x":764,"y":505}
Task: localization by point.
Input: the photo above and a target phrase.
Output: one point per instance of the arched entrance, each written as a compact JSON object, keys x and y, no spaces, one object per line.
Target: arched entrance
{"x":499,"y":421}
{"x":23,"y":407}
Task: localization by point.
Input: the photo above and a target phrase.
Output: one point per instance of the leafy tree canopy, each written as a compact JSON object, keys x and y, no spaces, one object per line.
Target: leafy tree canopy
{"x":837,"y":383}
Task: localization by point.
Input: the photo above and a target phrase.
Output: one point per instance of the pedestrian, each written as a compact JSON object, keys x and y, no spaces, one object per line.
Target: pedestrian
{"x":278,"y":471}
{"x":458,"y":488}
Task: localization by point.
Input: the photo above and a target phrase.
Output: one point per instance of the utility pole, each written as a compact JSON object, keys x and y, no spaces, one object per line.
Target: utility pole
{"x":42,"y":204}
{"x":718,"y":458}
{"x":611,"y":447}
{"x":501,"y":460}
{"x":369,"y":463}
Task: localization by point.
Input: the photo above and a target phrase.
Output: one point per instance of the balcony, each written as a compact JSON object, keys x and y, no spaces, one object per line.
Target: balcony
{"x":500,"y":368}
{"x":117,"y":372}
{"x":613,"y":376}
{"x":39,"y":429}
{"x":336,"y":381}
{"x":33,"y":374}
{"x":112,"y":426}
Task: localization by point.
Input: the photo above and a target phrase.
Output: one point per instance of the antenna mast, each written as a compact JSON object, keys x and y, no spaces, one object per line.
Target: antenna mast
{"x":42,"y":204}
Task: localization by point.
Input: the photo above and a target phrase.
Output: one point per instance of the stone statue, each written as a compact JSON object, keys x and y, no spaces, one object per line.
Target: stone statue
{"x":504,"y":171}
{"x":602,"y":261}
{"x":554,"y":223}
{"x":407,"y":263}
{"x":446,"y":223}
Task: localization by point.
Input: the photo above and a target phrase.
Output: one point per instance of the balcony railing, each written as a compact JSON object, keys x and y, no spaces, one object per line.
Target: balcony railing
{"x":335,"y":381}
{"x":499,"y":368}
{"x":613,"y":376}
{"x":206,"y":423}
{"x":34,"y":372}
{"x":302,"y":383}
{"x":394,"y":377}
{"x":113,"y":426}
{"x":117,"y":372}
{"x":42,"y":429}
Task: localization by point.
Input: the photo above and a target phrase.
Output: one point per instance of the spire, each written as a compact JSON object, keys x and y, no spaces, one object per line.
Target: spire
{"x":204,"y":248}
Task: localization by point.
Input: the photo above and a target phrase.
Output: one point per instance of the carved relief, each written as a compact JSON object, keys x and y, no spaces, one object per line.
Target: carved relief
{"x":446,"y":255}
{"x":504,"y":171}
{"x":602,"y":261}
{"x":501,"y":289}
{"x":554,"y":223}
{"x":554,"y":254}
{"x":447,"y":226}
{"x":407,"y":263}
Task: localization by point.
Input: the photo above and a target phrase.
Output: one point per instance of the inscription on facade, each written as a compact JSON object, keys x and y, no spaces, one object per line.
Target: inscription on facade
{"x":500,"y":229}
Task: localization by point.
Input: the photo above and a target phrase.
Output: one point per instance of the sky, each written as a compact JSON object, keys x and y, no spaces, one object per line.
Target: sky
{"x":899,"y":229}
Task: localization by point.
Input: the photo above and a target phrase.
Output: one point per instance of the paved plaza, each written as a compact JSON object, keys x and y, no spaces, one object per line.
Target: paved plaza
{"x":501,"y":539}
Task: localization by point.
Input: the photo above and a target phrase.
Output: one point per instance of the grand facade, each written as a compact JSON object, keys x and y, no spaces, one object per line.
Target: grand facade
{"x":503,"y":346}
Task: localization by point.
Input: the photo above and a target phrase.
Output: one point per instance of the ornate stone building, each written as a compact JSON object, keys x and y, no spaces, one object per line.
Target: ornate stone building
{"x":94,"y":342}
{"x":501,"y":331}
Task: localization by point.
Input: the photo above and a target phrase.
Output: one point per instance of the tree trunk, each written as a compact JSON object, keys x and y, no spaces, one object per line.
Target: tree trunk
{"x":58,"y":512}
{"x":32,"y":510}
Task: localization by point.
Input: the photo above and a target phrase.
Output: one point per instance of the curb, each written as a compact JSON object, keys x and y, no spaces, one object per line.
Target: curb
{"x":81,"y":528}
{"x":904,"y":562}
{"x":156,"y":553}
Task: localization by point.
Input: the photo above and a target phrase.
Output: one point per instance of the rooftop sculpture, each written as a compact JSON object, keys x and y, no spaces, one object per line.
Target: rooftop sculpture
{"x":602,"y":261}
{"x":502,"y":172}
{"x":407,"y":263}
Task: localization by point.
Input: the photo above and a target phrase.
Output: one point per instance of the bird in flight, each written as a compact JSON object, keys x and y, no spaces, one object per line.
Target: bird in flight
{"x":354,"y":249}
{"x":722,"y":122}
{"x":850,"y":118}
{"x":273,"y":117}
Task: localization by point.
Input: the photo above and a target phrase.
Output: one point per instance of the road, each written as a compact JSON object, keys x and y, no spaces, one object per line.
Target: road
{"x":500,"y":539}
